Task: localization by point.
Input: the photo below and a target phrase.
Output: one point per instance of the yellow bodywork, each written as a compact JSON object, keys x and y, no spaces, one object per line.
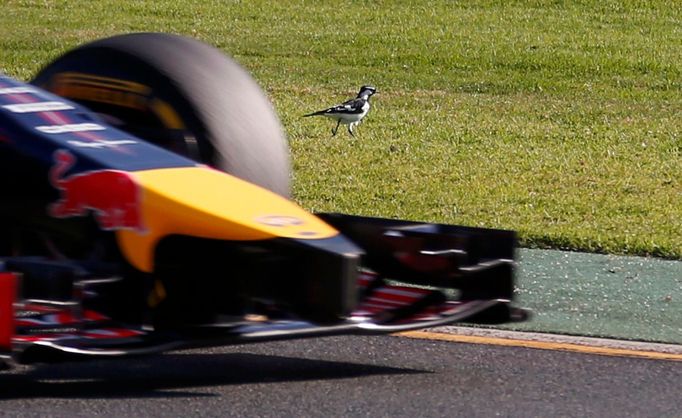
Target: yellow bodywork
{"x":203,"y":202}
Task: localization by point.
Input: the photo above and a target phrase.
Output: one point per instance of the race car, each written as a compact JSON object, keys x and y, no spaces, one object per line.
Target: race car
{"x":146,"y":208}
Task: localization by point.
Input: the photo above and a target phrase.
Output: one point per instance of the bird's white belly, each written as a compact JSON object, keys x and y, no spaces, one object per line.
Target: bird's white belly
{"x":346,"y":119}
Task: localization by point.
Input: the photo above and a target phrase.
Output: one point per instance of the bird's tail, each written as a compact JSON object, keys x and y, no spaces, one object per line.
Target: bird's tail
{"x":318,"y":113}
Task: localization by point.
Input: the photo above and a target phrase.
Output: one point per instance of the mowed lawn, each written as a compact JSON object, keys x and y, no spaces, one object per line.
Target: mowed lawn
{"x":559,"y":119}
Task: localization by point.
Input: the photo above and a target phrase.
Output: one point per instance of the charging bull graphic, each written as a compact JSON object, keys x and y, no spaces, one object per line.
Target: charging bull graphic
{"x":112,"y":195}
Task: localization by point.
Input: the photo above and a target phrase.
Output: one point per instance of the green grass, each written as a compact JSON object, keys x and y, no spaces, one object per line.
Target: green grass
{"x":559,"y":119}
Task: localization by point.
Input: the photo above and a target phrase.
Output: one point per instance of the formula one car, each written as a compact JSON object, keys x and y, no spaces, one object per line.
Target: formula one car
{"x":145,"y":182}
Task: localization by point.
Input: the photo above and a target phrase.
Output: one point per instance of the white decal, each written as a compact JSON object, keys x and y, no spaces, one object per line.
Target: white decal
{"x":75,"y":127}
{"x":279,"y":220}
{"x":102,"y":143}
{"x":17,"y":90}
{"x":37,"y":107}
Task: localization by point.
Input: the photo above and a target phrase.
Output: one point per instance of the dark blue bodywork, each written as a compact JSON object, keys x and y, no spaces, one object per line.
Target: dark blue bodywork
{"x":35,"y":123}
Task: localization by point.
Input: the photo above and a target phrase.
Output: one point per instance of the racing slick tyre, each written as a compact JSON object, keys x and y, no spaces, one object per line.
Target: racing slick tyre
{"x":181,"y":94}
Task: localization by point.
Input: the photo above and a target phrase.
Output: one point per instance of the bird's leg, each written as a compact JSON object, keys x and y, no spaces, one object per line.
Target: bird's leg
{"x":337,"y":128}
{"x":350,"y":129}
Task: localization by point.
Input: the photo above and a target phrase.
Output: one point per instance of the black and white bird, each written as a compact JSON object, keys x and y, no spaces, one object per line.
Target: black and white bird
{"x":350,"y":112}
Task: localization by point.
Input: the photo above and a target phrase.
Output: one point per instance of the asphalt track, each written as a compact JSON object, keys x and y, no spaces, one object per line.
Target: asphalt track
{"x":384,"y":376}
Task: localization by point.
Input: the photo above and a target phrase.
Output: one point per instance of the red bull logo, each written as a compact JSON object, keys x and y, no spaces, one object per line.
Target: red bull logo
{"x":112,"y":195}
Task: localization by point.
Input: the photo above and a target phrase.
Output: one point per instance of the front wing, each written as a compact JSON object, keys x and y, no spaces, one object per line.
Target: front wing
{"x":414,"y":275}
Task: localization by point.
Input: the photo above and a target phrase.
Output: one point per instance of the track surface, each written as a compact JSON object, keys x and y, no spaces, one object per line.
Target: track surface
{"x":351,"y":376}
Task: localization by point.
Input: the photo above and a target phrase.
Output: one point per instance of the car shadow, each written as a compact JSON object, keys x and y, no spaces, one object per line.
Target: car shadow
{"x":162,"y":376}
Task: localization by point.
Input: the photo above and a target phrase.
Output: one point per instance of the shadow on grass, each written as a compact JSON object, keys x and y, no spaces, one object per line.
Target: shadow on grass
{"x":161,"y":376}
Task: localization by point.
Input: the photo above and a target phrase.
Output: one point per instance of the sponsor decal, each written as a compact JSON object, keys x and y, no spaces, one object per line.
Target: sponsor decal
{"x":73,"y":127}
{"x":17,"y":90}
{"x":103,"y":143}
{"x":37,"y":107}
{"x":101,"y":90}
{"x":114,"y":91}
{"x":279,"y":220}
{"x":113,"y":195}
{"x":308,"y":234}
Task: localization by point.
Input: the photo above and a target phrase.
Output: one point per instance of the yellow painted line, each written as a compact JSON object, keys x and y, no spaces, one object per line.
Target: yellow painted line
{"x":543,"y":345}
